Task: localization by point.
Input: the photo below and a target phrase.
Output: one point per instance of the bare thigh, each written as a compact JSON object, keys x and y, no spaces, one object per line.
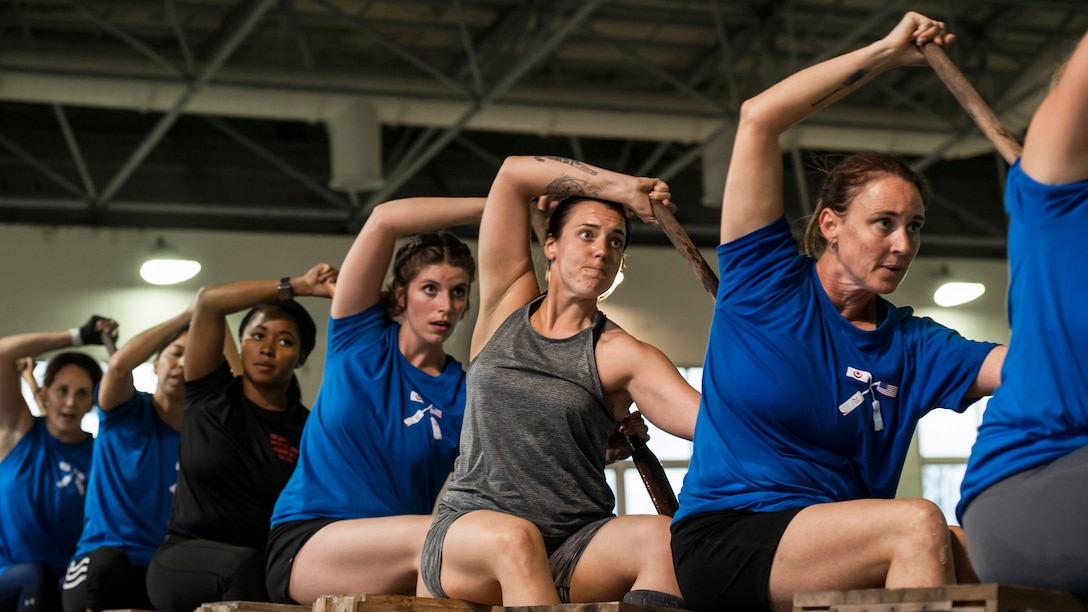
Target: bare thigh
{"x":371,"y":555}
{"x":493,"y":557}
{"x":629,"y":552}
{"x":867,"y":543}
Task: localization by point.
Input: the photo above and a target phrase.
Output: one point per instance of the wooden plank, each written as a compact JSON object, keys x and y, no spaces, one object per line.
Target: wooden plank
{"x":367,"y":602}
{"x":959,"y":597}
{"x":250,"y":606}
{"x":607,"y":606}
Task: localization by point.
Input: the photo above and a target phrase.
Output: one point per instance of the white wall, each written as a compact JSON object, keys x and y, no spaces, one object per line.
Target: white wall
{"x":55,"y":277}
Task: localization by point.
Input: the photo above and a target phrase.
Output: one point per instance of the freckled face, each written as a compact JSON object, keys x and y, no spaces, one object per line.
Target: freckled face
{"x":589,"y":249}
{"x":68,"y":399}
{"x":434,"y":301}
{"x":878,"y":236}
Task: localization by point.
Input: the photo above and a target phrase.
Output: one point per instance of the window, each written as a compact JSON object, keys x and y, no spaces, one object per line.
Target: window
{"x":945,"y":439}
{"x":143,"y":378}
{"x":674,"y":454}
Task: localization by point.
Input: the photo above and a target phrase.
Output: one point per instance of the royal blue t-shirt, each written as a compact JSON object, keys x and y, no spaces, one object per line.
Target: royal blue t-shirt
{"x":42,"y":486}
{"x":1040,"y":411}
{"x":133,"y":476}
{"x":800,"y":406}
{"x":383,"y":434}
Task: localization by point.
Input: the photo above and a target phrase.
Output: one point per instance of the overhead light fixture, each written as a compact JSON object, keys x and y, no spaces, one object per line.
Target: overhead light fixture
{"x":954,"y":292}
{"x":165,"y":266}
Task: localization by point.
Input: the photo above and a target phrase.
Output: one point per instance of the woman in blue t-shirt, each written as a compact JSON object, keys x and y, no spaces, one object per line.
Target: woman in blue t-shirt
{"x":813,"y":383}
{"x":44,"y":462}
{"x":385,"y":426}
{"x":133,"y":474}
{"x":1024,"y":494}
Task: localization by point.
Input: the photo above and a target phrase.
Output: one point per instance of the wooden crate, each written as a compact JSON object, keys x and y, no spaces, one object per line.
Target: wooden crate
{"x":956,"y":598}
{"x":607,"y":606}
{"x":399,"y":603}
{"x":365,"y":602}
{"x":250,"y":606}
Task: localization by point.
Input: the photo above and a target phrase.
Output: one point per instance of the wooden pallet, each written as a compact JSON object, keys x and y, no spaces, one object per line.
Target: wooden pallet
{"x":365,"y":602}
{"x":399,"y":603}
{"x":606,"y":606}
{"x":957,"y":598}
{"x":249,"y":606}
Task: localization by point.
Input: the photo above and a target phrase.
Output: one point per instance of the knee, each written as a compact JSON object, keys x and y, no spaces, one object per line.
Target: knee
{"x":515,"y":546}
{"x":107,"y":557}
{"x":35,"y":575}
{"x":920,"y":524}
{"x":520,"y":539}
{"x":657,"y":534}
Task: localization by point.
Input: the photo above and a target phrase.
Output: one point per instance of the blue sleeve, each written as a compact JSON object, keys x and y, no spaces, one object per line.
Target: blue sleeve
{"x":758,"y":268}
{"x":1036,"y":204}
{"x":362,"y":328}
{"x":948,"y":364}
{"x":128,"y":411}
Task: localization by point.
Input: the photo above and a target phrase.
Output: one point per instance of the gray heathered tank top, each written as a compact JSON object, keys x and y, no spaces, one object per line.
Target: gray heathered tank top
{"x":535,"y":430}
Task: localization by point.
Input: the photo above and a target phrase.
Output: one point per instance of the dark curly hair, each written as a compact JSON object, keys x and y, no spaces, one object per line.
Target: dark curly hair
{"x":307,"y":331}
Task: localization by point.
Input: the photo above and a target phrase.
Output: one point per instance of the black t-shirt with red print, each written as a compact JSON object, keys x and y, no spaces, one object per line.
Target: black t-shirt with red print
{"x":234,"y":458}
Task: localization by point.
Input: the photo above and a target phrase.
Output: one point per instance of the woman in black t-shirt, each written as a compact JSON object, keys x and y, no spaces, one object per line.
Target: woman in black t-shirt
{"x":239,"y":440}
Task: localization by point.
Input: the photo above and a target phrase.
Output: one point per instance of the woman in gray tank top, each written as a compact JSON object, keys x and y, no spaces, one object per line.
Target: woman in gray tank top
{"x":527,"y":519}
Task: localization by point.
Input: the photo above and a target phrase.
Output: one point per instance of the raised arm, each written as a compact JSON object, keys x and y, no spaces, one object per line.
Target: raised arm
{"x":507,"y":277}
{"x":205,"y":347}
{"x":1056,"y":146}
{"x":117,"y":387}
{"x":753,"y":187}
{"x":25,"y":367}
{"x":15,"y":416}
{"x":368,"y":259}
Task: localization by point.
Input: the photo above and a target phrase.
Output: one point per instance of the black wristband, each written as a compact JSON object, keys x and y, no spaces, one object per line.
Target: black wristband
{"x":286,"y":292}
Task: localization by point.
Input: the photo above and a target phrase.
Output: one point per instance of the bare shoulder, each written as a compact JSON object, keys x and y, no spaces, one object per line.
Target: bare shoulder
{"x":614,"y":339}
{"x":618,"y":354}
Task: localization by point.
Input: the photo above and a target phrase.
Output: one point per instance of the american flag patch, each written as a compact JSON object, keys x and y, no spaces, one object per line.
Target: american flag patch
{"x":887,"y":390}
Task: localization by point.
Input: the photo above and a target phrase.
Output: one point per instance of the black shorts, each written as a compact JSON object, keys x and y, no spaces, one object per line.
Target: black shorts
{"x":723,"y":559}
{"x":284,"y":542}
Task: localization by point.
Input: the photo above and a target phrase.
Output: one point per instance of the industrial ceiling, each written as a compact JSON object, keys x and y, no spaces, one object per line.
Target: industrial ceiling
{"x":301,"y":115}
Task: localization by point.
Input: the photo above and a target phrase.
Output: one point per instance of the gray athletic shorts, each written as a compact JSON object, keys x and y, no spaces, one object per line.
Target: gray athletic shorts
{"x":1030,"y":528}
{"x":562,"y":560}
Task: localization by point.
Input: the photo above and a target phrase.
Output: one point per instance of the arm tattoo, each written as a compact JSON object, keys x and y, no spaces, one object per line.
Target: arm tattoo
{"x":851,"y":79}
{"x":568,"y":185}
{"x":570,"y":162}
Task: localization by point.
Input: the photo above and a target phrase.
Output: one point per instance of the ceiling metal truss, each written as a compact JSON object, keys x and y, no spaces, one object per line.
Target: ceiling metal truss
{"x":302,"y":115}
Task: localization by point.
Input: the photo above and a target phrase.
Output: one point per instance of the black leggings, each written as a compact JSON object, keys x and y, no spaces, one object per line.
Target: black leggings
{"x":185,"y":574}
{"x":29,"y":587}
{"x":105,"y":580}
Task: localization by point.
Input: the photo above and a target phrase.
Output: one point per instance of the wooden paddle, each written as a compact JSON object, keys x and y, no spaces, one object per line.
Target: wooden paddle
{"x":972,"y":102}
